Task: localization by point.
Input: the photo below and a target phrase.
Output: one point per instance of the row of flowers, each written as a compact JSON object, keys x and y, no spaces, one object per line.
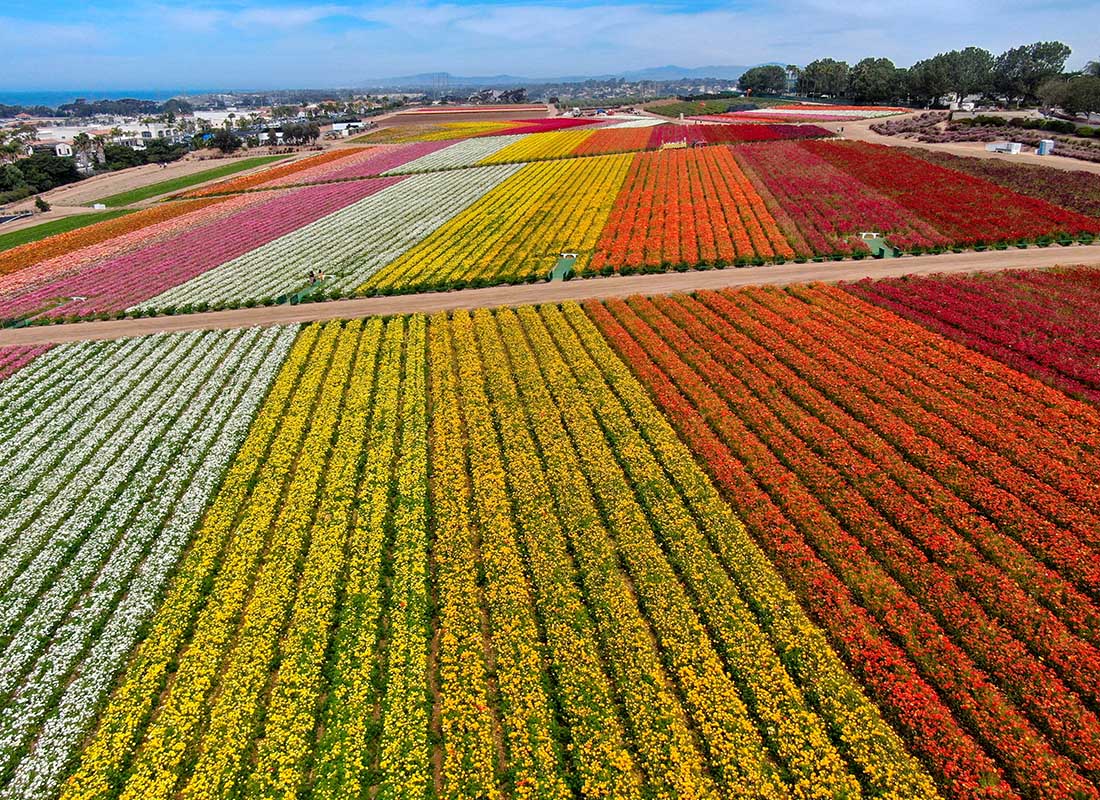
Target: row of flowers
{"x":14,"y":357}
{"x":1039,"y":324}
{"x":804,"y":472}
{"x":1072,"y":189}
{"x":828,"y":207}
{"x":74,"y":612}
{"x":253,"y":220}
{"x":283,"y":173}
{"x":966,"y":209}
{"x":108,"y":233}
{"x":516,"y":231}
{"x":348,"y":246}
{"x":208,"y":591}
{"x":687,"y":207}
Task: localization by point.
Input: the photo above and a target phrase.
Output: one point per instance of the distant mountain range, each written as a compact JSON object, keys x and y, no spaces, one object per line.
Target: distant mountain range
{"x":428,"y":80}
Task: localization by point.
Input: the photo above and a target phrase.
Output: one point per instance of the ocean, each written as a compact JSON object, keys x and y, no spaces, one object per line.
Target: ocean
{"x":53,"y":99}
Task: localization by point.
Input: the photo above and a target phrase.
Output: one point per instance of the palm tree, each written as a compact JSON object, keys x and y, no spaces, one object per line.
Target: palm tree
{"x":1093,"y":68}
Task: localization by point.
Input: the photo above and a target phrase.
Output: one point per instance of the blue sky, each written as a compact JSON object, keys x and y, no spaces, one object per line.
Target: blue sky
{"x":113,"y":44}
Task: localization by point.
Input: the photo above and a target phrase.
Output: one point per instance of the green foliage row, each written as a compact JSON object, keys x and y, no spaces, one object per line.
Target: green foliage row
{"x":54,"y":227}
{"x":185,"y":181}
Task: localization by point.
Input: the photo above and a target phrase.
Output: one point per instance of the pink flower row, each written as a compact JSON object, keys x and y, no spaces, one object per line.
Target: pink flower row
{"x":120,"y":282}
{"x":55,"y":268}
{"x":16,"y":357}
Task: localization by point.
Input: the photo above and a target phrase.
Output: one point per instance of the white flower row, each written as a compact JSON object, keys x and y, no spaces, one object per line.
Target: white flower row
{"x":63,"y":447}
{"x":94,"y":503}
{"x":22,"y":402}
{"x":348,"y":246}
{"x":460,"y":154}
{"x":636,"y":122}
{"x":58,"y":699}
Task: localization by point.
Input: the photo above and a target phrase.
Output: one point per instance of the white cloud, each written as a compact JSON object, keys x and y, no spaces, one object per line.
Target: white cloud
{"x":242,"y":44}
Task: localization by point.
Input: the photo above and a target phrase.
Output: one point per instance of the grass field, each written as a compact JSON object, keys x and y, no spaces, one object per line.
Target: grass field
{"x":692,"y":108}
{"x":36,"y":232}
{"x":183,"y":182}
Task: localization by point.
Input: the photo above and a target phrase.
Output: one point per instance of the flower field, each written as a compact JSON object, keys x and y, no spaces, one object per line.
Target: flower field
{"x":16,"y":357}
{"x":758,"y":543}
{"x":1043,"y":324}
{"x":283,"y":174}
{"x":538,"y":146}
{"x":825,"y":209}
{"x":244,"y":223}
{"x":359,"y":240}
{"x":1075,"y":190}
{"x":116,"y":450}
{"x":687,"y":207}
{"x":739,"y":194}
{"x":965,"y":208}
{"x":517,"y":230}
{"x":108,"y":233}
{"x":465,"y":153}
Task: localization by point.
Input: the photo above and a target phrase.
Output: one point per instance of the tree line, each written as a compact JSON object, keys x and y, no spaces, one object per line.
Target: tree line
{"x":1029,"y":74}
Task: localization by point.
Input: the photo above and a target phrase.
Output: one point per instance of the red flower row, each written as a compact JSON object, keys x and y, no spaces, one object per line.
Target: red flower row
{"x":858,"y":495}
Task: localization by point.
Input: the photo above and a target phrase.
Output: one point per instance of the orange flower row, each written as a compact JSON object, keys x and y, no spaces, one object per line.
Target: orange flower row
{"x":253,"y":180}
{"x":34,"y":252}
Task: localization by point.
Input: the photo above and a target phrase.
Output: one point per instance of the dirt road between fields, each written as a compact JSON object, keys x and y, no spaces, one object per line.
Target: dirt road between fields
{"x":581,"y":289}
{"x":861,"y":130}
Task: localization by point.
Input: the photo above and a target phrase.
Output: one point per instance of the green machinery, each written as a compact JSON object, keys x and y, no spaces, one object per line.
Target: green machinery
{"x":878,"y":245}
{"x":563,"y":270}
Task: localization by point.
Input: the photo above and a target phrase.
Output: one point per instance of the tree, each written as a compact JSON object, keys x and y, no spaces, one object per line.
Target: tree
{"x":1093,"y":68}
{"x":928,"y":80}
{"x":1082,"y":95}
{"x":224,"y":140}
{"x":969,"y":71}
{"x":825,"y":76}
{"x":1053,"y":92}
{"x":41,"y":205}
{"x":771,"y":79}
{"x":45,"y":171}
{"x":1018,"y":73}
{"x":874,"y":80}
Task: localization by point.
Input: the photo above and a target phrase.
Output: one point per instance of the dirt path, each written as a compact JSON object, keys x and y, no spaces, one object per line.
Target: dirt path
{"x":97,"y":187}
{"x":39,"y":218}
{"x":987,"y":261}
{"x":861,"y":130}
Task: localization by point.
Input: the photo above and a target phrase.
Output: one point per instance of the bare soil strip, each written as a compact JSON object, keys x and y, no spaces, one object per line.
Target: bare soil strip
{"x":580,"y":289}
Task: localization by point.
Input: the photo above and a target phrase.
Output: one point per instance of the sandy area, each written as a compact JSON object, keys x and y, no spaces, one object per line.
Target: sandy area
{"x":527,"y":294}
{"x":99,"y":186}
{"x":861,"y":129}
{"x":57,"y":212}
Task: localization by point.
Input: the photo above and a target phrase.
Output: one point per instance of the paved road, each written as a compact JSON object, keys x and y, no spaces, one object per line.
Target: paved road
{"x":557,"y":292}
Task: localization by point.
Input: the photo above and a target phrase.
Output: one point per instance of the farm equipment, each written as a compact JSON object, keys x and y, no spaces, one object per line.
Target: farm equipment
{"x":878,"y":245}
{"x":563,"y":270}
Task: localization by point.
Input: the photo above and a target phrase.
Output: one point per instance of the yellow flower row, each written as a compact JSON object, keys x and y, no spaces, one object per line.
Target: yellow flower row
{"x":340,"y":756}
{"x":517,"y":230}
{"x":863,"y":737}
{"x":404,"y":747}
{"x":674,"y":764}
{"x":434,"y":133}
{"x":736,"y":754}
{"x":466,"y":708}
{"x":538,"y":146}
{"x":289,"y":720}
{"x":534,"y":759}
{"x":795,"y":734}
{"x":599,"y":754}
